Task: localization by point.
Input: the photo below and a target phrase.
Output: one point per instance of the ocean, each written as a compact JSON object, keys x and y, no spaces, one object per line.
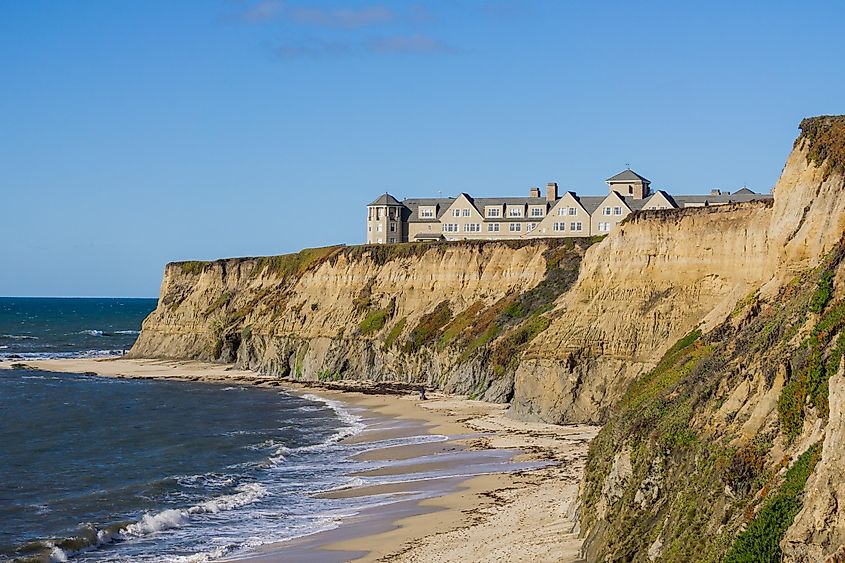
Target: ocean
{"x":98,"y":469}
{"x":39,"y":328}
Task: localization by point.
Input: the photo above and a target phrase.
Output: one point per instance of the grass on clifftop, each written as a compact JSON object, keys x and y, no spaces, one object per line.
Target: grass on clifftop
{"x":287,"y":265}
{"x":824,"y":137}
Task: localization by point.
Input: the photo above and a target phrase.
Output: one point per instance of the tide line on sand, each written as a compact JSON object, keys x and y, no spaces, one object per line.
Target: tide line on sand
{"x":523,"y":515}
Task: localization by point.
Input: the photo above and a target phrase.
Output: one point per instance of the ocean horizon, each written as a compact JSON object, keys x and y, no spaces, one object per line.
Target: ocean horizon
{"x":70,"y":327}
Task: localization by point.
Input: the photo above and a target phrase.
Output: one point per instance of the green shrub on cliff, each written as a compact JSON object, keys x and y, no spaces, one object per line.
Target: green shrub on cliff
{"x":394,"y":333}
{"x":823,"y":293}
{"x":759,"y":542}
{"x":376,"y":320}
{"x":813,"y":369}
{"x":824,"y":139}
{"x":429,"y":327}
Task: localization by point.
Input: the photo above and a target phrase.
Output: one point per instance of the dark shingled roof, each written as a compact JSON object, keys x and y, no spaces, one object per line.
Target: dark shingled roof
{"x":741,"y":196}
{"x":386,"y":199}
{"x":441,"y":204}
{"x":628,"y":176}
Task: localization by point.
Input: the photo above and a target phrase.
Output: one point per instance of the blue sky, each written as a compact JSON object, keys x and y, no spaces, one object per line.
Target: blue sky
{"x":137,"y":133}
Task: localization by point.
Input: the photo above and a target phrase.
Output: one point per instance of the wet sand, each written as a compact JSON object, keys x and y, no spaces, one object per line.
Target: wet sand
{"x":523,"y":515}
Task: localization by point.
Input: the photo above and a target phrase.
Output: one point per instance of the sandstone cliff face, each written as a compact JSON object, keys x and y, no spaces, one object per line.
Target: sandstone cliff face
{"x":735,"y":435}
{"x":441,"y":315}
{"x":649,"y":283}
{"x":707,"y":339}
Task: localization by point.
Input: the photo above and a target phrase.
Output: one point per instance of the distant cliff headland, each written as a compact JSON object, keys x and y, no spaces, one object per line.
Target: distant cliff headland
{"x":708,"y":341}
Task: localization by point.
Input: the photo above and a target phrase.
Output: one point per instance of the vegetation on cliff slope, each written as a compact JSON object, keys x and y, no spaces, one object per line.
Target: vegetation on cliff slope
{"x":824,"y":139}
{"x":703,"y":468}
{"x":476,"y":344}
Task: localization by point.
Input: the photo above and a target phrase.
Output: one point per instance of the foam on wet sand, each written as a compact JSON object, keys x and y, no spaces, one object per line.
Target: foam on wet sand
{"x":527,"y":513}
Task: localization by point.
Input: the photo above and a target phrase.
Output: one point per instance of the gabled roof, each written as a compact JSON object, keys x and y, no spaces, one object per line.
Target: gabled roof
{"x":743,"y":191}
{"x":590,"y":202}
{"x":385,"y":199}
{"x":628,"y":175}
{"x":668,"y":197}
{"x":440,"y":203}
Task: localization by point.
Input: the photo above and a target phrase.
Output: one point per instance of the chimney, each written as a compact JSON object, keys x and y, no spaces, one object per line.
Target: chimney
{"x":551,"y":191}
{"x":534,"y":192}
{"x":715,"y":192}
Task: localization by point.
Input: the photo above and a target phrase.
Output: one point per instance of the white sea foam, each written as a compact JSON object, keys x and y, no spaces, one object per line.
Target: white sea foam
{"x":60,"y":355}
{"x":173,"y":518}
{"x":127,"y":332}
{"x":152,"y":523}
{"x":57,"y":555}
{"x":91,"y":332}
{"x":352,"y":421}
{"x":18,"y":337}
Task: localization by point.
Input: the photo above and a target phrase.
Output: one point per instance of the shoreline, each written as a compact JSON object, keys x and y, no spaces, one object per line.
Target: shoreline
{"x":527,"y":514}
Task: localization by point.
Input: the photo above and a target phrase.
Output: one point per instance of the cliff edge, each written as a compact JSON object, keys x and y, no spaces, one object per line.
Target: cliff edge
{"x":729,"y":448}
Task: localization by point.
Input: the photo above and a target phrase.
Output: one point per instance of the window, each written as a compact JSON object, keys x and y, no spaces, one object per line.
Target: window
{"x":391,"y":240}
{"x":514,"y":212}
{"x":426,"y":213}
{"x":379,"y":240}
{"x":559,"y":227}
{"x":456,"y":213}
{"x":379,"y":227}
{"x":604,"y":227}
{"x":465,"y":212}
{"x":605,"y":211}
{"x":537,"y":211}
{"x":378,"y":213}
{"x":492,"y":227}
{"x":531,"y":227}
{"x":576,"y":226}
{"x":494,"y":212}
{"x":393,"y":227}
{"x":617,"y":211}
{"x":370,"y":229}
{"x":472,"y":228}
{"x":450,"y":227}
{"x":573,"y":211}
{"x":515,"y":227}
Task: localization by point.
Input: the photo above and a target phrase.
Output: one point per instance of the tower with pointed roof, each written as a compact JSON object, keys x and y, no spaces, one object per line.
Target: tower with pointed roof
{"x":386,"y":221}
{"x":629,"y":183}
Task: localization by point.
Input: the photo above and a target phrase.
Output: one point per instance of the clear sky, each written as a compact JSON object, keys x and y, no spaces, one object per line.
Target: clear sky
{"x":134,"y":133}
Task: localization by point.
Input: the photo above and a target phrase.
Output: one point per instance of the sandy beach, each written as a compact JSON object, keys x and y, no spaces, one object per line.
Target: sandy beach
{"x":521,"y":515}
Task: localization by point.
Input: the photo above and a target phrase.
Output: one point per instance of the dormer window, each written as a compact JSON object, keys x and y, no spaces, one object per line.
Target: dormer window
{"x":537,"y":211}
{"x":514,"y":212}
{"x":494,"y":212}
{"x":426,"y":212}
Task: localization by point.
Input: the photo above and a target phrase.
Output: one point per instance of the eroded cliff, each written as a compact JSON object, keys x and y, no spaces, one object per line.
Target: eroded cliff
{"x":650,"y":282}
{"x":451,"y":316}
{"x":707,"y":339}
{"x":730,"y":447}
